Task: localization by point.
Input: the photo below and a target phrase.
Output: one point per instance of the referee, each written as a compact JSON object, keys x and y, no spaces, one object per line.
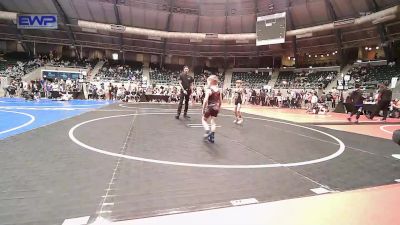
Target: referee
{"x":186,"y":84}
{"x":384,"y":99}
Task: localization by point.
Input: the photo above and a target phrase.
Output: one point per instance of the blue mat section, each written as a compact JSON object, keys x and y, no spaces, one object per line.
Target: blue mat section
{"x":18,"y":115}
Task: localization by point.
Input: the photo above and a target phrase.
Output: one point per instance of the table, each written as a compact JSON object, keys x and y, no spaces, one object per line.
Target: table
{"x":148,"y":98}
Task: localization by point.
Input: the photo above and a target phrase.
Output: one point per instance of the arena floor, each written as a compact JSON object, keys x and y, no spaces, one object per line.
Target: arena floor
{"x":129,"y":161}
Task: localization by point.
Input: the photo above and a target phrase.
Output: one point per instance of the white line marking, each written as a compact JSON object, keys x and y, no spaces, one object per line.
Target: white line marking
{"x":45,"y":108}
{"x":397,"y":180}
{"x":104,"y":196}
{"x":320,"y":190}
{"x":101,"y":221}
{"x":116,"y":169}
{"x":77,"y":221}
{"x":244,"y":201}
{"x":396,"y":156}
{"x":197,"y":125}
{"x":105,"y":211}
{"x":108,"y":203}
{"x":161,"y":109}
{"x":257,"y":166}
{"x":60,"y":104}
{"x":387,"y":131}
{"x":21,"y":126}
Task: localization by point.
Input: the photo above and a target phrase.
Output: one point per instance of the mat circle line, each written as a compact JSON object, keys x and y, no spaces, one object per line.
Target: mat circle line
{"x":382,"y":128}
{"x":32,"y":119}
{"x":226,"y":166}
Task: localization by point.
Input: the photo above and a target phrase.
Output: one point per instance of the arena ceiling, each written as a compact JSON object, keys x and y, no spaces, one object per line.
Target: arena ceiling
{"x":202,"y":16}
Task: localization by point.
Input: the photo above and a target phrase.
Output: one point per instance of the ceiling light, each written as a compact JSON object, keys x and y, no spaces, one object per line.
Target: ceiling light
{"x":115,"y":56}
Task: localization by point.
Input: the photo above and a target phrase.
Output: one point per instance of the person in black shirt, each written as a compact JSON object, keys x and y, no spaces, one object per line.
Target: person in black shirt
{"x":329,"y":98}
{"x":185,"y":82}
{"x":384,"y":99}
{"x":357,"y":100}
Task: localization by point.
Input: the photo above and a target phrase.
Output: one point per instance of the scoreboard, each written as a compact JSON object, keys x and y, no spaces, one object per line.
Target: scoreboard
{"x":271,"y":29}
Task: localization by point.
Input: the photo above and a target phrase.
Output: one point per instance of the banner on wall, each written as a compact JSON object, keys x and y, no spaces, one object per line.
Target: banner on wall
{"x":37,"y":21}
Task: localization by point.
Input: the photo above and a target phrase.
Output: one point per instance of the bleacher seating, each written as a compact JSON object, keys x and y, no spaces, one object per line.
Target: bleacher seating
{"x":167,"y":75}
{"x":130,"y":71}
{"x":17,"y":69}
{"x":370,"y":76}
{"x":286,"y":79}
{"x":251,"y":79}
{"x":309,"y":80}
{"x":201,"y":74}
{"x":69,"y":62}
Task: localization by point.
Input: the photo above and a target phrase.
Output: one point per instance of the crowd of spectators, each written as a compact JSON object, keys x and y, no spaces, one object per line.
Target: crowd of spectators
{"x":164,"y":76}
{"x":132,"y":71}
{"x":201,"y":78}
{"x":202,"y":73}
{"x":130,"y":91}
{"x":291,"y":98}
{"x":36,"y":89}
{"x":19,"y":68}
{"x":369,"y":76}
{"x":252,"y":79}
{"x":305,"y":79}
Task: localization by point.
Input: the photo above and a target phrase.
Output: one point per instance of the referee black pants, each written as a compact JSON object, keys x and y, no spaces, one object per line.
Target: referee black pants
{"x":186,"y":97}
{"x":384,"y":106}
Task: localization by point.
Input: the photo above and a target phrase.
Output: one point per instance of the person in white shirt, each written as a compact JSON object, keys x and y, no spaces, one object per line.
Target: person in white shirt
{"x":68,"y":82}
{"x":101,"y":93}
{"x":314,"y":99}
{"x":120,"y":92}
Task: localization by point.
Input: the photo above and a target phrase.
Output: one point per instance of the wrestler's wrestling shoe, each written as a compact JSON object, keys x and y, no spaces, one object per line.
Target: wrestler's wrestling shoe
{"x":207,"y":135}
{"x":211,"y":137}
